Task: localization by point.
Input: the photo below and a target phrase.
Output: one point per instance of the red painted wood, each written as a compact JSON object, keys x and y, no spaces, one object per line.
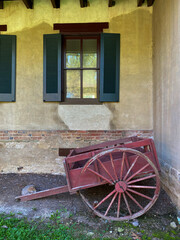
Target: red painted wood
{"x":104,"y":199}
{"x":140,"y":158}
{"x":111,"y":203}
{"x":78,"y":158}
{"x":44,"y":193}
{"x":155,"y":155}
{"x":104,"y":145}
{"x":74,"y":164}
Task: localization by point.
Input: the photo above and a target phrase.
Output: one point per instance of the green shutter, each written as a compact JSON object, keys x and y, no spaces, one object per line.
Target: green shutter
{"x":7,"y":68}
{"x":109,"y":67}
{"x":52,"y":68}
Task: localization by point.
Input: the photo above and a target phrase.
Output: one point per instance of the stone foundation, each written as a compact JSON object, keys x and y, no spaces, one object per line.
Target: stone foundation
{"x":170,"y":180}
{"x":37,"y":151}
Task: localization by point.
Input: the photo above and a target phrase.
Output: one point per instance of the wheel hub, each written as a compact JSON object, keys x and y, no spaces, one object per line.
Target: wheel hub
{"x":121,"y":186}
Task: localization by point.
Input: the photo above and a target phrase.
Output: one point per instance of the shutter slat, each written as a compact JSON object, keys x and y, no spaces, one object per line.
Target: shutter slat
{"x":52,"y":68}
{"x":7,"y":68}
{"x":109,"y":67}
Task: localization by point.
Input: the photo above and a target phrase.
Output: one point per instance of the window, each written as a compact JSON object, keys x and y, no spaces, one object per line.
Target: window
{"x":81,"y":68}
{"x":7,"y":68}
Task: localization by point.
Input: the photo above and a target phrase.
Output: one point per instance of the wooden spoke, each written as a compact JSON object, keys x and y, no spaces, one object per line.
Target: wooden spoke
{"x":136,"y":173}
{"x":138,"y":186}
{"x":126,"y":161}
{"x":125,"y":199}
{"x":119,"y":205}
{"x":134,"y":200}
{"x":104,"y":199}
{"x":112,"y":163}
{"x":134,"y":162}
{"x":96,"y":173}
{"x":140,"y":194}
{"x":141,"y":179}
{"x":105,"y":169}
{"x":110,"y":204}
{"x":122,"y":166}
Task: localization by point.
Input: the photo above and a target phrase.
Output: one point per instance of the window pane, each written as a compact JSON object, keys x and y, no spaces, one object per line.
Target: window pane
{"x":73,"y":84}
{"x":73,"y":53}
{"x":90,"y":53}
{"x":89,"y":84}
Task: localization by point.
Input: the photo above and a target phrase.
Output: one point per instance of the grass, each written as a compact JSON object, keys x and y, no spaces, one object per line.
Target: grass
{"x":53,"y":228}
{"x":13,"y":228}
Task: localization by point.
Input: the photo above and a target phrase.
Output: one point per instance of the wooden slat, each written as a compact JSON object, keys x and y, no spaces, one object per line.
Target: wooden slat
{"x":150,"y":2}
{"x":28,"y":3}
{"x":83,"y":3}
{"x":104,"y":145}
{"x":140,"y":3}
{"x":81,"y":27}
{"x":55,"y":3}
{"x":78,"y":158}
{"x":3,"y":28}
{"x":1,"y":4}
{"x":111,"y":3}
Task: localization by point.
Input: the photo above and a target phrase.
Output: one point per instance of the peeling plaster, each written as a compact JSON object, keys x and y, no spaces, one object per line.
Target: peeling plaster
{"x":85,"y":117}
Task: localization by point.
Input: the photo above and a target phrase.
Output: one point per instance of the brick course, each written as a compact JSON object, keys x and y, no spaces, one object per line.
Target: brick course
{"x":36,"y":135}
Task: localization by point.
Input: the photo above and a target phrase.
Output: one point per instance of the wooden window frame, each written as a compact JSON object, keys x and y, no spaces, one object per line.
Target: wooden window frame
{"x":80,"y":100}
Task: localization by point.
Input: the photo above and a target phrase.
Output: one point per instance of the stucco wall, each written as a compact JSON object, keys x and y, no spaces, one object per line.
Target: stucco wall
{"x":166,"y":62}
{"x":134,"y":111}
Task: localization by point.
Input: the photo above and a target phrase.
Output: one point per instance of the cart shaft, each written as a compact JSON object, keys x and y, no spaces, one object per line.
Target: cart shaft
{"x":45,"y":193}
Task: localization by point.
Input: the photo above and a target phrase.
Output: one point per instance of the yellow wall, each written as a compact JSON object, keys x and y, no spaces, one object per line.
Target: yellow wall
{"x":134,"y":111}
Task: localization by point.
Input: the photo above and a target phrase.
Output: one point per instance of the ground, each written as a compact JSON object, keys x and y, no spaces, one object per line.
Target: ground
{"x":72,"y":210}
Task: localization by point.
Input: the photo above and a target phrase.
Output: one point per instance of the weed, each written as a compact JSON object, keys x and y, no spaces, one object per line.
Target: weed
{"x":34,"y":209}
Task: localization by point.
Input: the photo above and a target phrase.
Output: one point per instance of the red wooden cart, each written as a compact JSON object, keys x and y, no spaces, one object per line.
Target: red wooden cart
{"x":124,"y":172}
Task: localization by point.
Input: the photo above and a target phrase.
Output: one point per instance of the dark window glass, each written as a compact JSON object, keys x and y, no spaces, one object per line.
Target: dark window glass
{"x":5,"y":65}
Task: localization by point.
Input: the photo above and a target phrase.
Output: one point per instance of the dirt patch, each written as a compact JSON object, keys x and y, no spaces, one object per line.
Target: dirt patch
{"x":72,"y":208}
{"x":12,"y":184}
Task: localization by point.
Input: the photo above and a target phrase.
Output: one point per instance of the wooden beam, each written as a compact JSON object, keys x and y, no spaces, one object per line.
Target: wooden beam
{"x":140,"y":2}
{"x":111,"y":3}
{"x":55,"y":3}
{"x":3,"y":28}
{"x":83,"y":3}
{"x":64,"y":151}
{"x":81,"y":27}
{"x":28,"y":3}
{"x":150,"y":3}
{"x":1,"y":4}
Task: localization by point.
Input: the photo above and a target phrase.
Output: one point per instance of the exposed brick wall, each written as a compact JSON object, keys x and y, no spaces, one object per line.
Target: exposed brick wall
{"x":32,"y":135}
{"x":38,"y":151}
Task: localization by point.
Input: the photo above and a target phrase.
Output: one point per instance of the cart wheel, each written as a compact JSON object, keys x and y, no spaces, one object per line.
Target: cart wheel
{"x":132,"y":184}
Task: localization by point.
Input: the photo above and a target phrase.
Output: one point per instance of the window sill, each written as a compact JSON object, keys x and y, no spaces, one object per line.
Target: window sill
{"x":81,"y":102}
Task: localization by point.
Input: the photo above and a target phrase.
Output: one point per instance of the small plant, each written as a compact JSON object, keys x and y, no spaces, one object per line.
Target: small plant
{"x":34,"y":209}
